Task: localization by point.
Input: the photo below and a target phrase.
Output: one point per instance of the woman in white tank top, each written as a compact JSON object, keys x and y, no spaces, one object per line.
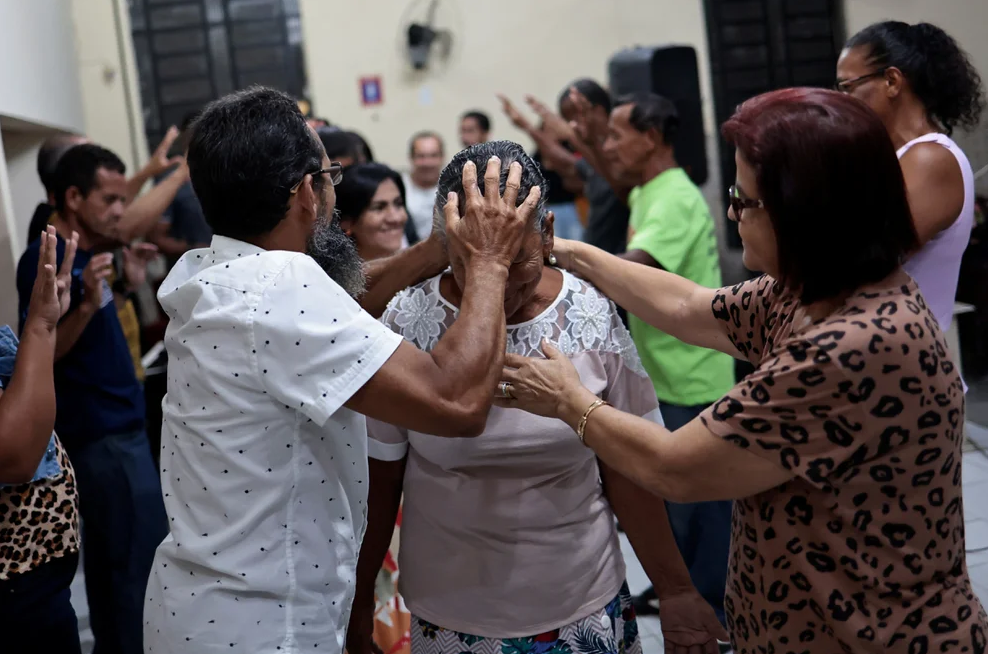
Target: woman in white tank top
{"x":922,"y":85}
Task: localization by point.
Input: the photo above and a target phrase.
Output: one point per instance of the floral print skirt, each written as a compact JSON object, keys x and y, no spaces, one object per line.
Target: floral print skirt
{"x":611,"y":630}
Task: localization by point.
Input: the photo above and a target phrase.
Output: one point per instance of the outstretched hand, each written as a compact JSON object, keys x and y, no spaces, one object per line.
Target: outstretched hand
{"x":160,"y":161}
{"x":564,"y":249}
{"x":689,"y":625}
{"x":515,"y":116}
{"x":552,"y":122}
{"x":50,"y":296}
{"x":493,"y":226}
{"x":539,"y":386}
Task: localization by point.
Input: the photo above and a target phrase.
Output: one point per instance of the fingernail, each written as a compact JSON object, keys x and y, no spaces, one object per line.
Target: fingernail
{"x":451,"y":197}
{"x":495,"y":160}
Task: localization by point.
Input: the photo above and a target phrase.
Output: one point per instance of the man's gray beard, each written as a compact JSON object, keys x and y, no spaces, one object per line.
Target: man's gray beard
{"x":335,"y":253}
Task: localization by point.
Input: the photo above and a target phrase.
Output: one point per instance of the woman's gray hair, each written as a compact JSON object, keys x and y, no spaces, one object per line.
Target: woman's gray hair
{"x":451,"y":179}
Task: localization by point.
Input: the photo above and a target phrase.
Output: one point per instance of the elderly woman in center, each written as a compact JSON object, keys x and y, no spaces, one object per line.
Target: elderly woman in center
{"x":842,"y":450}
{"x":509,"y":540}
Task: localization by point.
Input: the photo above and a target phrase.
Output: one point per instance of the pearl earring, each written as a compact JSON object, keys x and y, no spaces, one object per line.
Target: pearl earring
{"x":552,"y":259}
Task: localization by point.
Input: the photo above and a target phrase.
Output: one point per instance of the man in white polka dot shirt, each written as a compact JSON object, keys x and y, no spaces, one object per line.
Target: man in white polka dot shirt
{"x":272,"y":364}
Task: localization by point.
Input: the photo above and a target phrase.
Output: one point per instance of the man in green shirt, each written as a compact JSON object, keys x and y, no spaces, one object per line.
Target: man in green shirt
{"x":671,"y":228}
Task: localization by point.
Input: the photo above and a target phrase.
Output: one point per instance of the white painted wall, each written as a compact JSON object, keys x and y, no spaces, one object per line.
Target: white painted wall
{"x":965,"y":20}
{"x":39,"y":80}
{"x":519,"y":47}
{"x":111,"y":102}
{"x":21,"y":154}
{"x":9,"y":252}
{"x":39,"y":96}
{"x":511,"y":46}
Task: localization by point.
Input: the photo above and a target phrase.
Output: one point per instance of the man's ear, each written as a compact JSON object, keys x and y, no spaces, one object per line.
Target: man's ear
{"x":74,"y":199}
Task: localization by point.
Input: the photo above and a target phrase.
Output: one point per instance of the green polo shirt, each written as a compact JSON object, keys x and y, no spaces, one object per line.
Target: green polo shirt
{"x":670,"y":221}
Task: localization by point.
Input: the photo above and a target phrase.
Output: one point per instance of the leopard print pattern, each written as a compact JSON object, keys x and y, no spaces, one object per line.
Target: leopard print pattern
{"x":39,"y":521}
{"x":863,"y":550}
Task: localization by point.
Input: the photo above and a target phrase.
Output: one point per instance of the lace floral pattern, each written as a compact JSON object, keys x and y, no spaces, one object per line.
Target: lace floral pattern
{"x":580,"y":319}
{"x":419,"y":318}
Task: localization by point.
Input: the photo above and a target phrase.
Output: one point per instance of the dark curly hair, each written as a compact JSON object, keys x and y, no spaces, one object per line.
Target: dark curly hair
{"x":938,"y":70}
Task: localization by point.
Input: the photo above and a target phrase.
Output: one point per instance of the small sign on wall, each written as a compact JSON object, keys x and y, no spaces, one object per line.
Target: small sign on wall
{"x":371,"y":92}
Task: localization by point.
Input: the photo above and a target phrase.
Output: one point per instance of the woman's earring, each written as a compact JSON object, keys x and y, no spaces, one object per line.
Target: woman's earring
{"x":552,"y":259}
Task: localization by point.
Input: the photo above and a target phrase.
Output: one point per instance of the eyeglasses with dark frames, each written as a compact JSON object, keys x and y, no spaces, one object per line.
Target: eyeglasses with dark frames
{"x":739,"y":202}
{"x":335,"y":172}
{"x":846,"y":86}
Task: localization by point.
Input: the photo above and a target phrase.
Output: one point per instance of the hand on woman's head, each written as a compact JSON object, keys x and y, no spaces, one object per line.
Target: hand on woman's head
{"x":492,"y":226}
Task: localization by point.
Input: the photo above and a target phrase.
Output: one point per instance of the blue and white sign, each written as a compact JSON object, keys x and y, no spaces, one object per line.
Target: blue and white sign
{"x":370,"y":91}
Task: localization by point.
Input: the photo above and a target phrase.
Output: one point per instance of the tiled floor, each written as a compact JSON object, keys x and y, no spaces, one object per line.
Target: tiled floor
{"x":975,"y":517}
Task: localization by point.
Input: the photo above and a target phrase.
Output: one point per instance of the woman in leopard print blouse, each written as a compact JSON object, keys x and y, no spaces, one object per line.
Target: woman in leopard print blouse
{"x":842,"y":450}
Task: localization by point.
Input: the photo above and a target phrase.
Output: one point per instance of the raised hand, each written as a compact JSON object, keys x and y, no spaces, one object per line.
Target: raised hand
{"x":96,"y":271}
{"x":45,"y":308}
{"x":64,"y":277}
{"x":160,"y":162}
{"x":515,"y":116}
{"x":551,"y":121}
{"x":493,"y":226}
{"x":136,"y":259}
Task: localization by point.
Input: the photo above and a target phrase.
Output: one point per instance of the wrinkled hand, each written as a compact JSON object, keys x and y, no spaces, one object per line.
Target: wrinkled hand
{"x":513,"y":114}
{"x":50,"y":295}
{"x":539,"y":386}
{"x":136,"y":258}
{"x":689,"y":624}
{"x":160,"y":162}
{"x":552,"y":122}
{"x":97,"y":270}
{"x":493,"y":227}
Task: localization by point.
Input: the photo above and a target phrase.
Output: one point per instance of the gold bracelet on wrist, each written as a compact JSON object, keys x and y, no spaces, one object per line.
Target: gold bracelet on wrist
{"x":582,"y":428}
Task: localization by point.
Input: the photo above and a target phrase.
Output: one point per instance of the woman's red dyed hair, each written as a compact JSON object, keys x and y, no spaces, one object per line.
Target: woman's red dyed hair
{"x":830,"y":180}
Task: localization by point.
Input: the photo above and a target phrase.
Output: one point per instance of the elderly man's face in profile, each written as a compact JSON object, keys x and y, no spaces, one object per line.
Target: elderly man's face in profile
{"x":625,"y":147}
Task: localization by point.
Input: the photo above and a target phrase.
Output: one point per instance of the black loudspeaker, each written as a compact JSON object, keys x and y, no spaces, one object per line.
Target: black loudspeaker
{"x":670,"y":71}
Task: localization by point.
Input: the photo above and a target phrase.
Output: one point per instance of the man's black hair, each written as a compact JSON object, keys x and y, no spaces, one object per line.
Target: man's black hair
{"x":78,"y":168}
{"x":49,"y":154}
{"x":652,"y":111}
{"x":483,"y":120}
{"x":248,"y":150}
{"x":596,"y":94}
